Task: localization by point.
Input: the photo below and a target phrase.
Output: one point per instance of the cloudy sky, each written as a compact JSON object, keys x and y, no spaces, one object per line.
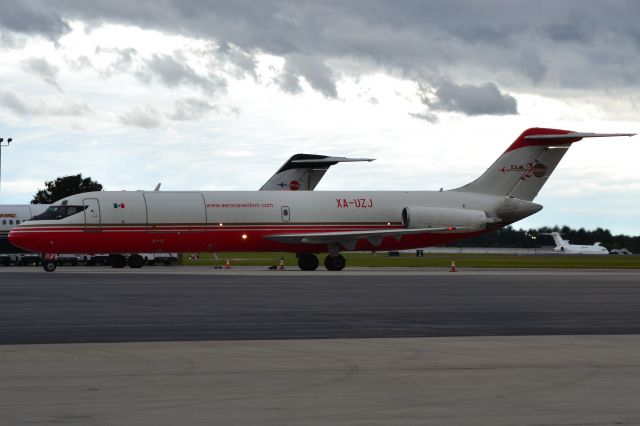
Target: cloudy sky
{"x":218,"y":94}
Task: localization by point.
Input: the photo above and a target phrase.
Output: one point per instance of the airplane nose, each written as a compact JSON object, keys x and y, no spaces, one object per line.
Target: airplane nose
{"x":23,"y":240}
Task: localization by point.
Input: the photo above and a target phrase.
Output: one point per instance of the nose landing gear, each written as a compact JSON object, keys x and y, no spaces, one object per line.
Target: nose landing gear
{"x":49,"y":265}
{"x":49,"y":262}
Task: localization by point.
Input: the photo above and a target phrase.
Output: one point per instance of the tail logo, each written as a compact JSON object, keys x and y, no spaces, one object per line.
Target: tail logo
{"x":537,"y":170}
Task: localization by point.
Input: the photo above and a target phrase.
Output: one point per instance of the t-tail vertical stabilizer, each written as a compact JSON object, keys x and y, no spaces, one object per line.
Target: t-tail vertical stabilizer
{"x":522,"y":170}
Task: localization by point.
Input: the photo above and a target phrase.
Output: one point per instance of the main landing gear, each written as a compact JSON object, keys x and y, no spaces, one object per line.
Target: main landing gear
{"x":136,"y":261}
{"x":334,"y":262}
{"x":117,"y":261}
{"x":120,"y":261}
{"x":309,"y":262}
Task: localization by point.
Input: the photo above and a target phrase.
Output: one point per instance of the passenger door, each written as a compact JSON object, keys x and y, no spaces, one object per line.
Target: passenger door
{"x":91,"y":214}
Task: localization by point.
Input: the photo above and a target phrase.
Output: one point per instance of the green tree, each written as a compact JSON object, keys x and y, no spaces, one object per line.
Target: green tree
{"x":63,"y":187}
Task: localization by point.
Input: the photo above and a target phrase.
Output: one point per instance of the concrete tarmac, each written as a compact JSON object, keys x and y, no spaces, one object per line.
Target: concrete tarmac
{"x":528,"y":381}
{"x":243,"y":347}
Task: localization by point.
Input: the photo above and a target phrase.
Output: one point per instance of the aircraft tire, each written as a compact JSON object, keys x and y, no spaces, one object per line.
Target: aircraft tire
{"x":49,"y":265}
{"x":308,"y":262}
{"x":117,"y":261}
{"x":335,"y":263}
{"x":136,"y":261}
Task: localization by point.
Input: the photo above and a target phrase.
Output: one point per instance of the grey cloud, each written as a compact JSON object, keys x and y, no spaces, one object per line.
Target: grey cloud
{"x":426,"y":116}
{"x":243,"y":62}
{"x":319,"y":76}
{"x":42,"y":68}
{"x":70,"y":109}
{"x":80,"y":63}
{"x":173,"y":72}
{"x":531,"y":65}
{"x":289,"y":82}
{"x":144,"y":116}
{"x":29,"y":107}
{"x":191,"y":109}
{"x":15,"y":104}
{"x":33,"y":17}
{"x":417,"y":39}
{"x":124,"y":60}
{"x":7,"y":41}
{"x":471,"y":100}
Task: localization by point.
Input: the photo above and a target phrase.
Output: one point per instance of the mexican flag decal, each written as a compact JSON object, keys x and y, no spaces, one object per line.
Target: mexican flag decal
{"x":118,"y":206}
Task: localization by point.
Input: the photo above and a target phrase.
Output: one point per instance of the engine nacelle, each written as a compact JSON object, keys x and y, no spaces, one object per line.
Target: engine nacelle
{"x":439,"y":217}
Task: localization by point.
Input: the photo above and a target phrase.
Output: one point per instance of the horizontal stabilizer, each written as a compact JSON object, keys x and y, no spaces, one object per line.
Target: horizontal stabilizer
{"x":303,"y":172}
{"x":330,"y":160}
{"x":578,"y":135}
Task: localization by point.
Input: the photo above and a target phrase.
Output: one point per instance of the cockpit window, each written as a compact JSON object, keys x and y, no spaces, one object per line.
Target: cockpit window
{"x":59,"y":212}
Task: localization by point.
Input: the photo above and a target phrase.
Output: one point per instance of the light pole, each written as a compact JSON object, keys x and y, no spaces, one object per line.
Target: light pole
{"x":9,"y":140}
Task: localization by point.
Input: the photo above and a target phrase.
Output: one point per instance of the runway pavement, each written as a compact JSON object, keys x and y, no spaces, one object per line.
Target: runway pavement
{"x":87,"y":306}
{"x":255,"y":347}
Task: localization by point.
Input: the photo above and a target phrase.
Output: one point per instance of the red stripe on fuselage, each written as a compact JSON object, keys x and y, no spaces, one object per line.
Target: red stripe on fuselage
{"x":66,"y":239}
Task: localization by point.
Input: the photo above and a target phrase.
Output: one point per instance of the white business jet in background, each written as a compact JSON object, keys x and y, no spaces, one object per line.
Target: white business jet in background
{"x":564,"y":246}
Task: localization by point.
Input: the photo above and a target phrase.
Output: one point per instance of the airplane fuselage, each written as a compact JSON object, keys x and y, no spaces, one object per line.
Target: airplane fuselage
{"x":123,"y":222}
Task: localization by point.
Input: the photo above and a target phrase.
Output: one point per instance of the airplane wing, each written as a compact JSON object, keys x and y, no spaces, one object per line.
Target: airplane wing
{"x":302,"y":172}
{"x":348,"y":239}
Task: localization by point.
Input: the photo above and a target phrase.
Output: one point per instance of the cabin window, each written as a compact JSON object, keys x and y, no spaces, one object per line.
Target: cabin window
{"x":4,"y":222}
{"x":10,"y":221}
{"x":59,"y":212}
{"x":18,"y":222}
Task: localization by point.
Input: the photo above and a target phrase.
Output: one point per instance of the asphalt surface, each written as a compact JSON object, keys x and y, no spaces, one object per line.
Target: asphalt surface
{"x":92,"y":307}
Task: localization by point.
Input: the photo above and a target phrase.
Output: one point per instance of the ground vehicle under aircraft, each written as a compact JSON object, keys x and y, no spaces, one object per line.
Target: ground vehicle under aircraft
{"x":303,"y":222}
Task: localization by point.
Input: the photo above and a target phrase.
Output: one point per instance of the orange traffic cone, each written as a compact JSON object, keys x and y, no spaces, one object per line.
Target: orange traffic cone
{"x":282,"y":264}
{"x":453,"y":266}
{"x":227,"y":265}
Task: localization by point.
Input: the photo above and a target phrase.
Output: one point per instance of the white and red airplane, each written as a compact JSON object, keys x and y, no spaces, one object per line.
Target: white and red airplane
{"x":305,"y":222}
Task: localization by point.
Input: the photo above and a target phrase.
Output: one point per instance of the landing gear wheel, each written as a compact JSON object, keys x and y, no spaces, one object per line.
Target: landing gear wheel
{"x":308,"y":262}
{"x":49,"y":265}
{"x":117,"y":261}
{"x":335,"y":263}
{"x":136,"y":261}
